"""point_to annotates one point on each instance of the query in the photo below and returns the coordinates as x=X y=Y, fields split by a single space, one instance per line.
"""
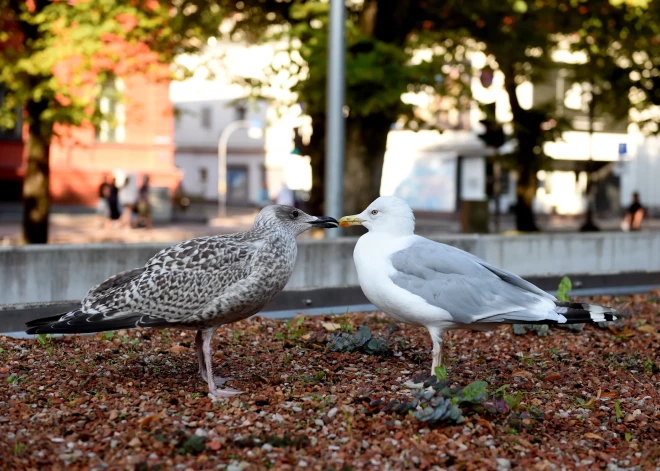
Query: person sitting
x=634 y=215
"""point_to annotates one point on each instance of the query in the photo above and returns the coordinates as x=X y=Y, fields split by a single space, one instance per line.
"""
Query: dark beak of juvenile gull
x=325 y=222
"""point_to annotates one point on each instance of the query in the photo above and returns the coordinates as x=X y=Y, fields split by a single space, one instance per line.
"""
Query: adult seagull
x=199 y=285
x=421 y=282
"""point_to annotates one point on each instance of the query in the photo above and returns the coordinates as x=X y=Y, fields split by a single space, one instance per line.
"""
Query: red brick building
x=139 y=141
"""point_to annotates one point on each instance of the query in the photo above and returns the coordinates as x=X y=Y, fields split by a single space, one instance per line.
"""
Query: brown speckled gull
x=199 y=284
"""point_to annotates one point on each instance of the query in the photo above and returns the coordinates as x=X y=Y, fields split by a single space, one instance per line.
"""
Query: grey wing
x=465 y=286
x=179 y=281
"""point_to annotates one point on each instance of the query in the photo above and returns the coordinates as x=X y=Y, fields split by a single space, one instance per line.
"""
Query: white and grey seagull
x=199 y=284
x=421 y=282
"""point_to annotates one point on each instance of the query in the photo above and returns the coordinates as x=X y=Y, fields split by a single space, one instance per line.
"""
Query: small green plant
x=107 y=335
x=650 y=368
x=294 y=329
x=361 y=340
x=441 y=372
x=2 y=350
x=19 y=448
x=46 y=340
x=617 y=410
x=344 y=324
x=628 y=436
x=565 y=286
x=513 y=400
x=435 y=402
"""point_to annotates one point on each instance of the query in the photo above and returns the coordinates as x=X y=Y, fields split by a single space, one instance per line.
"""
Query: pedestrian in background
x=143 y=206
x=128 y=201
x=102 y=207
x=634 y=215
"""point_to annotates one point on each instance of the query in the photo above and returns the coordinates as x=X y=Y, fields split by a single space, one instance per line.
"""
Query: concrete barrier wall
x=66 y=272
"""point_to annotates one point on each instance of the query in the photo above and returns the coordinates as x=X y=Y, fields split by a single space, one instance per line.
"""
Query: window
x=206 y=117
x=112 y=127
x=241 y=112
x=13 y=132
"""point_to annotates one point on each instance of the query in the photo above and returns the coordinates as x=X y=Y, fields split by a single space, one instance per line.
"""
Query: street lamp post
x=255 y=131
x=335 y=133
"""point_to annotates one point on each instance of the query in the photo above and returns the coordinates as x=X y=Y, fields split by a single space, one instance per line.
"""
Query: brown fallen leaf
x=214 y=444
x=485 y=423
x=150 y=418
x=629 y=418
x=178 y=349
x=553 y=377
x=647 y=328
x=593 y=436
x=331 y=326
x=522 y=373
x=525 y=443
x=610 y=394
x=135 y=442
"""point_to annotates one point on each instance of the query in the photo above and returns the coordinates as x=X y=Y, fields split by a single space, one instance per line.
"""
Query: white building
x=256 y=168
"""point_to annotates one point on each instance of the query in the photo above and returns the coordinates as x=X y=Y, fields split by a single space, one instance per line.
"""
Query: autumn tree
x=55 y=54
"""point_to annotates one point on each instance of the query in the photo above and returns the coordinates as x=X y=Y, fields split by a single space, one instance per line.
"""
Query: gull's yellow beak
x=350 y=221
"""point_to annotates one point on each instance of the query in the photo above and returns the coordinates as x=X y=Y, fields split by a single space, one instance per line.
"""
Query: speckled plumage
x=199 y=284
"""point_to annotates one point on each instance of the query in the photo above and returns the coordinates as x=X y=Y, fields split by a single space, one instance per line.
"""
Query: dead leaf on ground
x=150 y=418
x=485 y=423
x=522 y=373
x=331 y=326
x=593 y=436
x=553 y=377
x=647 y=328
x=178 y=349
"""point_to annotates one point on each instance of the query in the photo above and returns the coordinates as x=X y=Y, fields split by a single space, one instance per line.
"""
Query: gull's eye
x=295 y=214
x=374 y=212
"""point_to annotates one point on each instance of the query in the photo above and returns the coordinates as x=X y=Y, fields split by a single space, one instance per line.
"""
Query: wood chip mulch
x=134 y=401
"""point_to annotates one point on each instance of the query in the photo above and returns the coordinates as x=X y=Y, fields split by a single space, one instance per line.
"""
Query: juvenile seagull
x=429 y=284
x=199 y=285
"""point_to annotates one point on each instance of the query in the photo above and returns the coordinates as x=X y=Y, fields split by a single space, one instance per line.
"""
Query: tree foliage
x=55 y=54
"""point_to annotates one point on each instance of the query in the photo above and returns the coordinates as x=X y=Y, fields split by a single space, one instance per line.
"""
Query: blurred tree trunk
x=526 y=133
x=366 y=141
x=316 y=150
x=36 y=197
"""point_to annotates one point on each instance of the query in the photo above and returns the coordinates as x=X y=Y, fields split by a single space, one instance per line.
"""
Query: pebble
x=267 y=447
x=503 y=464
x=319 y=422
x=302 y=464
x=332 y=412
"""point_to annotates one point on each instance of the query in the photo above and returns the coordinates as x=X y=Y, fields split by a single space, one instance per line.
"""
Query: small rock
x=135 y=442
x=200 y=432
x=267 y=447
x=503 y=464
x=214 y=445
x=319 y=422
x=302 y=464
x=332 y=412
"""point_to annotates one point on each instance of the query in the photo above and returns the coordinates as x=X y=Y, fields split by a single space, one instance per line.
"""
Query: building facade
x=138 y=141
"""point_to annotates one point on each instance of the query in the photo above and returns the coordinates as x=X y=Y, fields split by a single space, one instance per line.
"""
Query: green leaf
x=474 y=392
x=565 y=286
x=617 y=410
x=441 y=372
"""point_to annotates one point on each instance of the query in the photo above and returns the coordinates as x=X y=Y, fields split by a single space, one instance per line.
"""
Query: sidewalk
x=84 y=228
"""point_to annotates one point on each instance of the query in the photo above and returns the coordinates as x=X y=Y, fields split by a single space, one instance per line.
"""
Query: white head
x=387 y=214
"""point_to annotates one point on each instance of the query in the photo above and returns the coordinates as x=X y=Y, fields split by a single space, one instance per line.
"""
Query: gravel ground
x=133 y=400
